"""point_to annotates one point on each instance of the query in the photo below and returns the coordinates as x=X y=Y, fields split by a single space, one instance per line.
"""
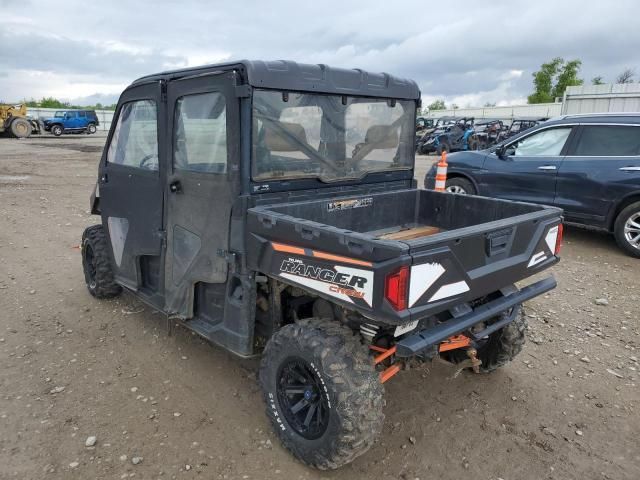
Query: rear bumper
x=426 y=338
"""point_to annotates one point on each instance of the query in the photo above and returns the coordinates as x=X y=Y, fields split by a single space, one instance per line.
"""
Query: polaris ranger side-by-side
x=271 y=208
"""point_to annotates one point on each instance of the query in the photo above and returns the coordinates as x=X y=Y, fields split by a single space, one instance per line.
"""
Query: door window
x=608 y=141
x=547 y=143
x=135 y=139
x=200 y=126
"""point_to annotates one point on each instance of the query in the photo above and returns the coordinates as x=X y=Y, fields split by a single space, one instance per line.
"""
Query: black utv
x=271 y=207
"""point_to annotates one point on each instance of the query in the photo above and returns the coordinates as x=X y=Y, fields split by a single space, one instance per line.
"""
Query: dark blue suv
x=589 y=165
x=72 y=121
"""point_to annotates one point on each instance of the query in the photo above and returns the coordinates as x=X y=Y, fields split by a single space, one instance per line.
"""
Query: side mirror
x=501 y=152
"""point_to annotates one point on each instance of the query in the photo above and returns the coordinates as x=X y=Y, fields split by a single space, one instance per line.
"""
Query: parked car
x=423 y=123
x=488 y=132
x=72 y=121
x=519 y=125
x=589 y=165
x=451 y=137
x=423 y=135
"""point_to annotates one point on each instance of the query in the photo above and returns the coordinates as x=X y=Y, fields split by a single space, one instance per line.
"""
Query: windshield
x=59 y=114
x=330 y=137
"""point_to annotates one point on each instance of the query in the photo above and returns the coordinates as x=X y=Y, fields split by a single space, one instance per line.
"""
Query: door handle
x=548 y=167
x=104 y=178
x=630 y=169
x=175 y=187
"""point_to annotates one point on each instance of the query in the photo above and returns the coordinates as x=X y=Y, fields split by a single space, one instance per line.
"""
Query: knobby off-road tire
x=57 y=130
x=626 y=229
x=501 y=347
x=342 y=376
x=20 y=128
x=96 y=264
x=91 y=129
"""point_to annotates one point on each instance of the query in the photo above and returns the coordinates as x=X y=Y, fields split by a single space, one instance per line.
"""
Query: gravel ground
x=96 y=389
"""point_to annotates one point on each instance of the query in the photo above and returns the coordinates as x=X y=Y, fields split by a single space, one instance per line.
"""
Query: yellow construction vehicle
x=15 y=122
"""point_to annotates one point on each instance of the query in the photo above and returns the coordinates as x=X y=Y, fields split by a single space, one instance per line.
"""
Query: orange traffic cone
x=441 y=173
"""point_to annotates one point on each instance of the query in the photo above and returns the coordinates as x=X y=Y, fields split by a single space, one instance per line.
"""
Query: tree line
x=51 y=102
x=551 y=81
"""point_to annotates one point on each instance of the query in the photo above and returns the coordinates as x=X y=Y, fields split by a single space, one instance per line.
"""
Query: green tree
x=437 y=105
x=568 y=77
x=599 y=80
x=51 y=102
x=553 y=78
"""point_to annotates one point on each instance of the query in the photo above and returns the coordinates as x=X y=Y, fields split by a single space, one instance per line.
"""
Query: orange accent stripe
x=338 y=258
x=376 y=348
x=384 y=355
x=389 y=372
x=281 y=247
x=452 y=343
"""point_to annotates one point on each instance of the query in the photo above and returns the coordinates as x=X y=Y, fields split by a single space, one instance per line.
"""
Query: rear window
x=609 y=141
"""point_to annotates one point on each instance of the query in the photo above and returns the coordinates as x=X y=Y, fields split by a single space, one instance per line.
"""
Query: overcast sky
x=466 y=52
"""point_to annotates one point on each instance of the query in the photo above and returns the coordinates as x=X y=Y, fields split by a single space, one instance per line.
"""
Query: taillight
x=559 y=240
x=396 y=287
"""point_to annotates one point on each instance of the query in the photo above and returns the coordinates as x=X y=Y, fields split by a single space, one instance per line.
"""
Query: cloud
x=463 y=52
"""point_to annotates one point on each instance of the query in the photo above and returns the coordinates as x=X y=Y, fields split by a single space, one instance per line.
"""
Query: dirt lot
x=566 y=409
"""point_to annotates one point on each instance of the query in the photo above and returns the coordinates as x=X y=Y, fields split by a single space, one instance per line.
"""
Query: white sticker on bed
x=422 y=277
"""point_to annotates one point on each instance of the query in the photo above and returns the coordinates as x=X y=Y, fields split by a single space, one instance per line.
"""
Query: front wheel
x=21 y=128
x=460 y=185
x=57 y=130
x=627 y=229
x=323 y=395
x=96 y=264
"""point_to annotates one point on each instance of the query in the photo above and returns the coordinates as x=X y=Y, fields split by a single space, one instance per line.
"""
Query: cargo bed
x=456 y=247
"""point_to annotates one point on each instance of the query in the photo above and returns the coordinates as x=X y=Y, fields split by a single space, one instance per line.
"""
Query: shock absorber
x=368 y=331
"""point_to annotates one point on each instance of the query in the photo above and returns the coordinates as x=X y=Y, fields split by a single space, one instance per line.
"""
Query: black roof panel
x=287 y=75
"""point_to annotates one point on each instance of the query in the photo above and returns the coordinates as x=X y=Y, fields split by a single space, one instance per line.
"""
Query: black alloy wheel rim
x=302 y=398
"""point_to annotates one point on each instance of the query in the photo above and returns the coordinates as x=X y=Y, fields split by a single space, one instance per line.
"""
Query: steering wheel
x=146 y=159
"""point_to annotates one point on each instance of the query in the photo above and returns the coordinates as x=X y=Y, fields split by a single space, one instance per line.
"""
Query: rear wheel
x=627 y=229
x=501 y=347
x=460 y=185
x=91 y=129
x=96 y=264
x=21 y=128
x=57 y=130
x=322 y=392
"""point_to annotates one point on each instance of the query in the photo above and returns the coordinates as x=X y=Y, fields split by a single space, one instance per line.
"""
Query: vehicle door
x=71 y=120
x=601 y=169
x=527 y=170
x=130 y=189
x=82 y=119
x=203 y=142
